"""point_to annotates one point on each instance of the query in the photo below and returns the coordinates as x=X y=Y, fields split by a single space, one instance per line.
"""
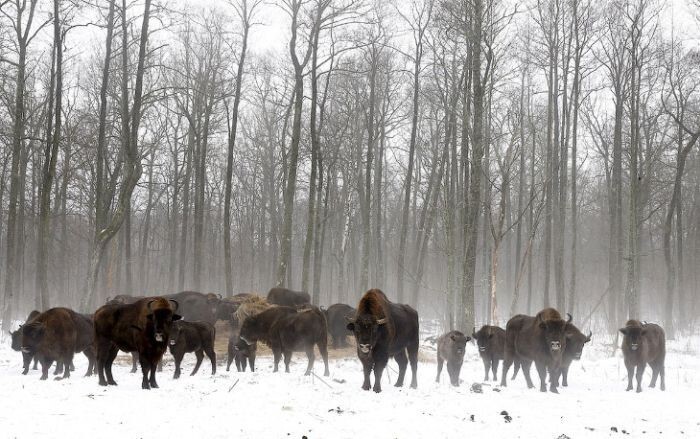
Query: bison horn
x=177 y=305
x=220 y=296
x=381 y=321
x=149 y=305
x=569 y=319
x=590 y=333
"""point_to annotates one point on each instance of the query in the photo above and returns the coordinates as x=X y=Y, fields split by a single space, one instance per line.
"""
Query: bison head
x=575 y=341
x=175 y=332
x=367 y=328
x=251 y=332
x=483 y=338
x=554 y=332
x=17 y=339
x=160 y=318
x=634 y=336
x=32 y=335
x=457 y=343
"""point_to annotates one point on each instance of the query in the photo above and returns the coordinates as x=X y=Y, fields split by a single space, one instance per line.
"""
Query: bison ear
x=468 y=338
x=176 y=317
x=623 y=331
x=350 y=326
x=452 y=336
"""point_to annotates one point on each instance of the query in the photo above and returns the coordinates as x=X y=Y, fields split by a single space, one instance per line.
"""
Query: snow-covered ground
x=268 y=405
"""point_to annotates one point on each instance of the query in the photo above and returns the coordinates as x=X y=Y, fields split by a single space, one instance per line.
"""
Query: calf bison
x=16 y=337
x=197 y=337
x=287 y=330
x=337 y=316
x=384 y=329
x=285 y=297
x=52 y=336
x=491 y=342
x=143 y=326
x=451 y=349
x=241 y=353
x=541 y=339
x=644 y=343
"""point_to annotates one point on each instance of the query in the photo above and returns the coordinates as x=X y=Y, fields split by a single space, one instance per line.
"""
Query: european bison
x=143 y=326
x=575 y=341
x=241 y=353
x=17 y=344
x=194 y=306
x=52 y=336
x=491 y=342
x=229 y=305
x=644 y=343
x=451 y=349
x=197 y=337
x=337 y=316
x=383 y=329
x=541 y=339
x=285 y=297
x=287 y=330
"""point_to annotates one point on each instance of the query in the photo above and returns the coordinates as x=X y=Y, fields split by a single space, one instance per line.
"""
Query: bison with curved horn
x=143 y=326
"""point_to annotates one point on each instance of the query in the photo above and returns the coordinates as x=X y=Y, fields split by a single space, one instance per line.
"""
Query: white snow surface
x=264 y=404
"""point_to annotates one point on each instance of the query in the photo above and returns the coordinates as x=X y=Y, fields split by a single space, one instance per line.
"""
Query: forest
x=475 y=159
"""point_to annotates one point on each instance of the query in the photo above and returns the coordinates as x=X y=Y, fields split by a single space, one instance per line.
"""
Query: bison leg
x=323 y=349
x=152 y=378
x=494 y=368
x=178 y=355
x=72 y=367
x=413 y=359
x=90 y=354
x=440 y=362
x=276 y=355
x=453 y=370
x=134 y=361
x=554 y=380
x=111 y=355
x=238 y=363
x=200 y=356
x=565 y=375
x=526 y=365
x=67 y=361
x=402 y=361
x=311 y=357
x=145 y=369
x=379 y=366
x=287 y=359
x=662 y=372
x=251 y=361
x=366 y=370
x=487 y=366
x=230 y=355
x=209 y=350
x=542 y=372
x=630 y=373
x=59 y=368
x=507 y=362
x=27 y=361
x=640 y=375
x=45 y=365
x=36 y=361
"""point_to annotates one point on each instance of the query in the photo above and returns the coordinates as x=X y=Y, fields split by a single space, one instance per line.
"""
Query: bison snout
x=460 y=351
x=634 y=346
x=159 y=337
x=364 y=348
x=577 y=355
x=482 y=348
x=555 y=346
x=25 y=349
x=172 y=342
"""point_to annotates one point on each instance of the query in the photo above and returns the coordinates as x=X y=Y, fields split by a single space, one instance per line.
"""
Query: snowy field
x=267 y=405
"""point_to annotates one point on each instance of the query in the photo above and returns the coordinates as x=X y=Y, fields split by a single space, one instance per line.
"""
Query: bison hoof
x=112 y=383
x=398 y=385
x=639 y=390
x=25 y=372
x=145 y=386
x=365 y=387
x=307 y=373
x=326 y=374
x=663 y=388
x=629 y=388
x=554 y=390
x=377 y=389
x=415 y=386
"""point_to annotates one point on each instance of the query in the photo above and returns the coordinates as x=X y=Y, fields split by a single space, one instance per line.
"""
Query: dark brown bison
x=383 y=329
x=451 y=349
x=541 y=339
x=490 y=340
x=285 y=297
x=575 y=341
x=287 y=330
x=53 y=336
x=337 y=316
x=143 y=326
x=195 y=307
x=241 y=353
x=17 y=344
x=121 y=299
x=197 y=337
x=644 y=343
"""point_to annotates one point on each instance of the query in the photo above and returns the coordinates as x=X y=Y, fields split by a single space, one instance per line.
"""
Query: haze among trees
x=474 y=158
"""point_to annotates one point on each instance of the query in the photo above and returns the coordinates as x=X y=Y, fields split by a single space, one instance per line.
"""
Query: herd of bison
x=287 y=322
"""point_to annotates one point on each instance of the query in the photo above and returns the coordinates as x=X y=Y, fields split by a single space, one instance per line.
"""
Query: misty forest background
x=475 y=158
